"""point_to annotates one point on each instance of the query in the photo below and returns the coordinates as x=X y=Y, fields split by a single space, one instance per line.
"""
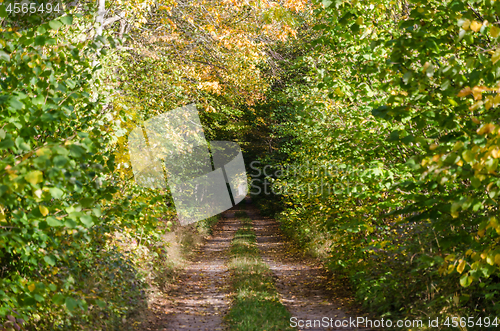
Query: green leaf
x=4 y=56
x=58 y=298
x=60 y=160
x=475 y=182
x=71 y=303
x=16 y=104
x=40 y=41
x=87 y=221
x=50 y=259
x=55 y=24
x=97 y=211
x=54 y=222
x=6 y=143
x=68 y=20
x=87 y=202
x=407 y=76
x=2 y=134
x=466 y=280
x=56 y=192
x=3 y=11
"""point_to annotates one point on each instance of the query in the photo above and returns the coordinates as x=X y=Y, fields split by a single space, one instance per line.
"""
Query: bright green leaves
x=495 y=57
x=52 y=221
x=87 y=220
x=433 y=77
x=56 y=192
x=68 y=20
x=53 y=156
x=4 y=56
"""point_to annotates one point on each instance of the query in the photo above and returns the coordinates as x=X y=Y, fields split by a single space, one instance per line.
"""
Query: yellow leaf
x=489 y=102
x=359 y=21
x=475 y=26
x=475 y=120
x=490 y=260
x=496 y=100
x=487 y=128
x=496 y=56
x=426 y=66
x=466 y=24
x=495 y=153
x=477 y=92
x=31 y=287
x=461 y=266
x=34 y=177
x=43 y=210
x=450 y=257
x=43 y=151
x=480 y=233
x=476 y=105
x=464 y=92
x=497 y=259
x=493 y=222
x=494 y=31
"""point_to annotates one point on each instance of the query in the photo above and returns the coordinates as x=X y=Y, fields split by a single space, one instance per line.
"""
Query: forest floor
x=201 y=296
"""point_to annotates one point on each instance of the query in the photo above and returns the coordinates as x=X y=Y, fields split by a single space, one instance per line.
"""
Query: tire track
x=200 y=299
x=301 y=282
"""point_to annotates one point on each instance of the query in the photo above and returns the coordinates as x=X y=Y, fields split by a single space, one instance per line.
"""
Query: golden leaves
x=43 y=210
x=477 y=93
x=486 y=128
x=494 y=31
x=476 y=26
x=466 y=24
x=461 y=266
x=2 y=214
x=34 y=177
x=495 y=57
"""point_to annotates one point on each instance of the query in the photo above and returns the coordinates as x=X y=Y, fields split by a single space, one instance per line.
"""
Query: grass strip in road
x=256 y=304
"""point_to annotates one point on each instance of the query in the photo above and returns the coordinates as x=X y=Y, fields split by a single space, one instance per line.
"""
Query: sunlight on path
x=301 y=283
x=200 y=299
